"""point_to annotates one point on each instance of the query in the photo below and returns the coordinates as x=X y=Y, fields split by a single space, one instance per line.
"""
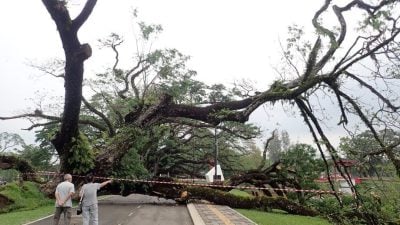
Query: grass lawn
x=240 y=193
x=21 y=217
x=276 y=217
x=273 y=218
x=23 y=196
x=27 y=203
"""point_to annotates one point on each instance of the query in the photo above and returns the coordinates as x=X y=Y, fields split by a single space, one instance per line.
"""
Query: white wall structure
x=210 y=174
x=345 y=187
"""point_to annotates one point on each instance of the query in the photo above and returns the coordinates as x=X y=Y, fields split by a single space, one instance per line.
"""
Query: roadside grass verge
x=281 y=218
x=25 y=202
x=22 y=196
x=276 y=216
x=22 y=217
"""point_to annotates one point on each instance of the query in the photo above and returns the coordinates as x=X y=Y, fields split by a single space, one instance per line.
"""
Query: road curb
x=245 y=217
x=196 y=218
x=32 y=222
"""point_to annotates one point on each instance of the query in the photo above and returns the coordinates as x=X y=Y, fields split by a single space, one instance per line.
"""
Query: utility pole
x=216 y=176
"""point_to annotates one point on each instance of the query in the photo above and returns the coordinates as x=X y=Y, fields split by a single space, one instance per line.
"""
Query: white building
x=210 y=174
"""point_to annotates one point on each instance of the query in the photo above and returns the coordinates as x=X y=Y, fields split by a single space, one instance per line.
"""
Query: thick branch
x=84 y=15
x=303 y=112
x=111 y=130
x=54 y=119
x=374 y=91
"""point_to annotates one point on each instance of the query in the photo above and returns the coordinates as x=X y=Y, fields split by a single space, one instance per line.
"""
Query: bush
x=371 y=209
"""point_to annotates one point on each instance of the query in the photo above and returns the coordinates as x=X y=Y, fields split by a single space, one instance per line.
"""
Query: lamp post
x=216 y=176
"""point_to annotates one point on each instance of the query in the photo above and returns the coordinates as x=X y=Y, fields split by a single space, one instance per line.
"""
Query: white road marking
x=130 y=214
x=39 y=219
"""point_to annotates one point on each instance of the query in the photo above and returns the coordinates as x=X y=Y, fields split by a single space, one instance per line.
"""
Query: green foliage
x=130 y=166
x=302 y=159
x=294 y=54
x=130 y=141
x=278 y=86
x=218 y=93
x=186 y=90
x=251 y=159
x=238 y=192
x=23 y=197
x=44 y=137
x=382 y=198
x=39 y=158
x=379 y=203
x=9 y=175
x=148 y=30
x=223 y=113
x=81 y=157
x=376 y=21
x=359 y=146
x=331 y=209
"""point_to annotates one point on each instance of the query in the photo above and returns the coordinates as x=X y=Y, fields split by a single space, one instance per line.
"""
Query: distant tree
x=10 y=142
x=303 y=160
x=252 y=159
x=278 y=145
x=302 y=164
x=39 y=158
x=362 y=147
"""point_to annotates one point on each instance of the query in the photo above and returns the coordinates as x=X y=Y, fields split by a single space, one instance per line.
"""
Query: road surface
x=135 y=209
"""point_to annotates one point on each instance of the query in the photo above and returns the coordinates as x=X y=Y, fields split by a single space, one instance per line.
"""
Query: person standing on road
x=63 y=194
x=89 y=202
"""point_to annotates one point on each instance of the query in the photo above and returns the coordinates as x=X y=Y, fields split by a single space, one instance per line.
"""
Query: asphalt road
x=136 y=209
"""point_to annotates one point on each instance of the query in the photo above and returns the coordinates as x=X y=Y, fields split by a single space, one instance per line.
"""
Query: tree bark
x=75 y=55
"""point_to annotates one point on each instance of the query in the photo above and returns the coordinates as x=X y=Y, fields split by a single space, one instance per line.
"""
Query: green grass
x=273 y=218
x=28 y=203
x=21 y=217
x=238 y=192
x=24 y=197
x=276 y=217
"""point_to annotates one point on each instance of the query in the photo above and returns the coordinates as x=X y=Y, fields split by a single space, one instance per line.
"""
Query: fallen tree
x=329 y=66
x=13 y=162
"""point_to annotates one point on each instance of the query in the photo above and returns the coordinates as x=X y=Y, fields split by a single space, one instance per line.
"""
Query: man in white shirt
x=63 y=194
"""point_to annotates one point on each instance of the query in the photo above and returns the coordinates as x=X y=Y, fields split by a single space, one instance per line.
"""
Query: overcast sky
x=228 y=40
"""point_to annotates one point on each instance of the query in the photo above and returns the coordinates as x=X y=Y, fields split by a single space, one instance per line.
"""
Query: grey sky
x=228 y=40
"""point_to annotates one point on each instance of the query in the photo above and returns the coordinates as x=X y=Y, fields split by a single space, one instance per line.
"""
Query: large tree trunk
x=75 y=54
x=217 y=195
x=263 y=202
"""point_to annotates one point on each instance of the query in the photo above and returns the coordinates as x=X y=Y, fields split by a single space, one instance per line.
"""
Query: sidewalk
x=208 y=214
